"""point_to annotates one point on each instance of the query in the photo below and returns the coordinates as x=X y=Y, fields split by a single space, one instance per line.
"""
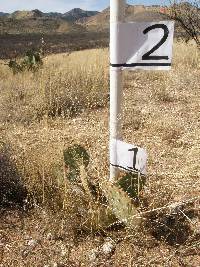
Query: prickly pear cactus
x=99 y=216
x=74 y=157
x=132 y=183
x=118 y=195
x=84 y=182
x=121 y=204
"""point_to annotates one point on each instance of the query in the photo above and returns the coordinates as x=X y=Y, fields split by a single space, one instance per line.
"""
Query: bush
x=31 y=62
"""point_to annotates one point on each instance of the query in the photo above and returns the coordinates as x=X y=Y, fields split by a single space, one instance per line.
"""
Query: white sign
x=128 y=157
x=142 y=45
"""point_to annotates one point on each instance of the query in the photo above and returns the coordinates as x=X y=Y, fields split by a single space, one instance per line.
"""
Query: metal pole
x=117 y=14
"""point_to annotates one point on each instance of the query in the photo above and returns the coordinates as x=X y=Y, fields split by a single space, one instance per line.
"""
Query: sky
x=63 y=5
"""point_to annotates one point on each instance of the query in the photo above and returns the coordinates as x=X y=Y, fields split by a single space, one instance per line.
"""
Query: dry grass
x=66 y=103
x=67 y=85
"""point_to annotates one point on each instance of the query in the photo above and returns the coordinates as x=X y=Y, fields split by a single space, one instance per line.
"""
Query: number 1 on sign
x=123 y=159
x=135 y=151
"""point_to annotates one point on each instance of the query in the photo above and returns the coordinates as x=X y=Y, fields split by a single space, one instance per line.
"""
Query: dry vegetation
x=45 y=220
x=13 y=45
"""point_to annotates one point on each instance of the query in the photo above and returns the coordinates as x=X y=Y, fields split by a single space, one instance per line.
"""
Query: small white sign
x=128 y=157
x=142 y=45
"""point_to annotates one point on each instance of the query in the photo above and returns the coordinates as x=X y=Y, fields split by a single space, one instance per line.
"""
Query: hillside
x=72 y=15
x=13 y=45
x=74 y=20
x=35 y=21
x=133 y=13
x=26 y=14
x=31 y=24
x=78 y=13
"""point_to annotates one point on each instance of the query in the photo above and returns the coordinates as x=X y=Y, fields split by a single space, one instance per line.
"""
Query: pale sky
x=63 y=5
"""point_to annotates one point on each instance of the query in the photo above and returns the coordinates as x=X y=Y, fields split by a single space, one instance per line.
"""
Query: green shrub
x=31 y=62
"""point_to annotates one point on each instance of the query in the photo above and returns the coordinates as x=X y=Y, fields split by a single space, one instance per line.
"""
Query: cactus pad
x=74 y=157
x=121 y=204
x=132 y=183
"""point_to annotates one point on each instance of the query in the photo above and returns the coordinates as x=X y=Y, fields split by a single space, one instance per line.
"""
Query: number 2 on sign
x=147 y=56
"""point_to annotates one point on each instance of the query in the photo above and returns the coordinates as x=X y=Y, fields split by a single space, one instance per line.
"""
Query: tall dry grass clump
x=65 y=86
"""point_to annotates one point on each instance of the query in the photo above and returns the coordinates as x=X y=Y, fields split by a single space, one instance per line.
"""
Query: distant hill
x=78 y=13
x=133 y=13
x=26 y=14
x=35 y=21
x=75 y=20
x=2 y=14
x=147 y=16
x=53 y=14
x=71 y=15
x=103 y=17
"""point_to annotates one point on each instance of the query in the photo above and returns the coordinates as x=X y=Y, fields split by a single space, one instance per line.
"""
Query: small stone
x=25 y=253
x=49 y=236
x=92 y=255
x=108 y=247
x=32 y=243
x=63 y=250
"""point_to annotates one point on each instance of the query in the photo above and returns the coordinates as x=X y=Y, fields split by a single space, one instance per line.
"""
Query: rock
x=63 y=250
x=32 y=243
x=92 y=255
x=108 y=247
x=49 y=236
